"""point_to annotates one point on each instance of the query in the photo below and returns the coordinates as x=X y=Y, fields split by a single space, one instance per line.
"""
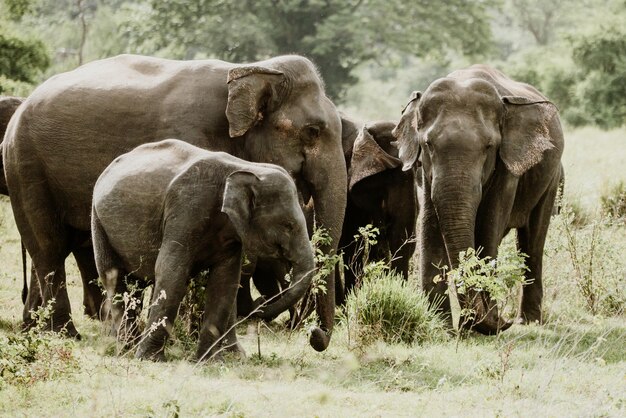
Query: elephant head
x=463 y=130
x=264 y=209
x=283 y=100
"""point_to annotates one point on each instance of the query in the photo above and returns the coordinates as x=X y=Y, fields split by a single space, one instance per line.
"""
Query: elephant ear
x=525 y=132
x=406 y=133
x=239 y=200
x=250 y=90
x=368 y=158
x=349 y=132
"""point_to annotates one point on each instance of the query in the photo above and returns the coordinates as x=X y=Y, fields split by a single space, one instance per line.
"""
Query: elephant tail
x=24 y=273
x=105 y=256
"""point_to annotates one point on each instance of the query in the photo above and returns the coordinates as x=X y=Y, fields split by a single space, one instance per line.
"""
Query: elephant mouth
x=304 y=190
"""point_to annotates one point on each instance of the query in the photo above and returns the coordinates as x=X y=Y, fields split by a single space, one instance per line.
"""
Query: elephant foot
x=528 y=321
x=158 y=356
x=491 y=329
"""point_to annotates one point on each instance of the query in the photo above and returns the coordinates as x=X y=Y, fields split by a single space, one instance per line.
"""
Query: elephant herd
x=150 y=171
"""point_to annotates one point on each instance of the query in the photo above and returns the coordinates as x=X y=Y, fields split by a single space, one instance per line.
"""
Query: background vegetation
x=372 y=54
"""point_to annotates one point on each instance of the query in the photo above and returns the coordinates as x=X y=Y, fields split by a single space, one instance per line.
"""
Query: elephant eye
x=313 y=131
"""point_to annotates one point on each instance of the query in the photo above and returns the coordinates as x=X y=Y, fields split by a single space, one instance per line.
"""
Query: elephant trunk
x=328 y=179
x=303 y=270
x=456 y=212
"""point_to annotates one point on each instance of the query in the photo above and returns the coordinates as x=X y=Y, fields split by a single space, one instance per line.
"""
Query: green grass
x=574 y=365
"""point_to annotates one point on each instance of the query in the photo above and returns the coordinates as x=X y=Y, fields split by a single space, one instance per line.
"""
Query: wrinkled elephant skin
x=490 y=150
x=73 y=125
x=167 y=211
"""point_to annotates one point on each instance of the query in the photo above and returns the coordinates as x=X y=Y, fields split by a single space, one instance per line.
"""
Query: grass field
x=574 y=365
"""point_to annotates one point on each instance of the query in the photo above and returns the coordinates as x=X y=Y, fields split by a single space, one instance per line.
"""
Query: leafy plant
x=35 y=355
x=499 y=278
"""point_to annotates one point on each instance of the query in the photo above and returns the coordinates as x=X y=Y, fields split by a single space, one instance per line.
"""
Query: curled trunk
x=302 y=277
x=328 y=182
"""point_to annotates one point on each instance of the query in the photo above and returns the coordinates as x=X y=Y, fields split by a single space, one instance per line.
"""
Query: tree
x=21 y=57
x=336 y=34
x=601 y=56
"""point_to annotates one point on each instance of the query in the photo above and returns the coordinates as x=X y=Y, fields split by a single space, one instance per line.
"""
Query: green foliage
x=613 y=202
x=601 y=57
x=21 y=59
x=336 y=34
x=35 y=355
x=387 y=307
x=325 y=262
x=496 y=277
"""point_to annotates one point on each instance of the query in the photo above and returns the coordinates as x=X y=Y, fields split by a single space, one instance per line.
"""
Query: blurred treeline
x=371 y=53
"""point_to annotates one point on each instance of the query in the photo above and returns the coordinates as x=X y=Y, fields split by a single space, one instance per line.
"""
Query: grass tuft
x=386 y=307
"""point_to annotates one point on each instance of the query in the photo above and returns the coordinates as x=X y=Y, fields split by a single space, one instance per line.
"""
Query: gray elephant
x=166 y=211
x=73 y=125
x=490 y=149
x=380 y=194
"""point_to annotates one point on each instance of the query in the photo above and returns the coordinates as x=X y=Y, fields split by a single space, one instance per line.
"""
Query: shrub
x=613 y=201
x=500 y=278
x=35 y=355
x=390 y=308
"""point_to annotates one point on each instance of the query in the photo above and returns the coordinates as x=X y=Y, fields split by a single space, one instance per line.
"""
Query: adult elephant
x=490 y=149
x=76 y=123
x=380 y=194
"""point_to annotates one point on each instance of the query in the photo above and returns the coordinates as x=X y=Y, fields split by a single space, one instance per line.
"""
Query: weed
x=499 y=278
x=613 y=202
x=35 y=355
x=598 y=271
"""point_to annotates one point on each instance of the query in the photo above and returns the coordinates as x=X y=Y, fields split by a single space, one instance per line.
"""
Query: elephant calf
x=166 y=211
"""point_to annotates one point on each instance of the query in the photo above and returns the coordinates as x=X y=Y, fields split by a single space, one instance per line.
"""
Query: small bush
x=500 y=278
x=388 y=307
x=613 y=202
x=35 y=355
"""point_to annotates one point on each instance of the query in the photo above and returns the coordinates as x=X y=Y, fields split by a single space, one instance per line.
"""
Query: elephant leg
x=221 y=292
x=92 y=293
x=124 y=302
x=172 y=272
x=230 y=340
x=244 y=297
x=33 y=300
x=46 y=239
x=401 y=233
x=531 y=241
x=351 y=267
x=52 y=282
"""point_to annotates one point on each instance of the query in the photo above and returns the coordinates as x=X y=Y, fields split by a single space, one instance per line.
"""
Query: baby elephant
x=167 y=211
